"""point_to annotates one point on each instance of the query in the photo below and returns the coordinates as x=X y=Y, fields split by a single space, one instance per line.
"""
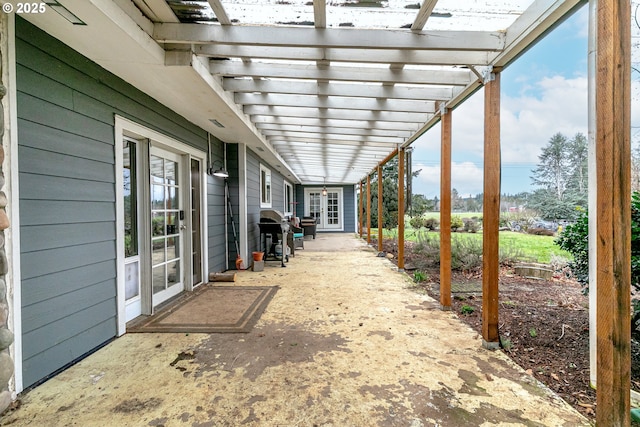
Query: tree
x=551 y=172
x=561 y=176
x=420 y=204
x=578 y=158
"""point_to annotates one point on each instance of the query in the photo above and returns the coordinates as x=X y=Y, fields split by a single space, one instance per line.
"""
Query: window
x=130 y=198
x=288 y=199
x=265 y=187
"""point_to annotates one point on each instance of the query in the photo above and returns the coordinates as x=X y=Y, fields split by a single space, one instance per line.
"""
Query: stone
x=257 y=266
x=3 y=289
x=6 y=338
x=4 y=265
x=4 y=314
x=3 y=196
x=6 y=369
x=390 y=256
x=5 y=400
x=4 y=220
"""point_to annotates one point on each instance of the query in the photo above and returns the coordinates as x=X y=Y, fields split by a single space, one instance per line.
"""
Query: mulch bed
x=543 y=327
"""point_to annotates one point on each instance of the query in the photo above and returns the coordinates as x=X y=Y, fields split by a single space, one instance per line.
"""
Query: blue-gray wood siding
x=216 y=212
x=66 y=110
x=233 y=220
x=253 y=197
x=349 y=206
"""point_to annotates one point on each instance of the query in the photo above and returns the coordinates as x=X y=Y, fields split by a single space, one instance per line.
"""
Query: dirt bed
x=543 y=326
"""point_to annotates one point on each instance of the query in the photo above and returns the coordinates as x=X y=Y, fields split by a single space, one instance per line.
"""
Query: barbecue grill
x=273 y=223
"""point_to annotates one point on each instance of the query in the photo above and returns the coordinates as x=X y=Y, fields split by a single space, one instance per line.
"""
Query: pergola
x=329 y=91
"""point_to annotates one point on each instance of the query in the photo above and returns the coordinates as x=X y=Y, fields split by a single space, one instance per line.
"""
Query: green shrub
x=471 y=225
x=419 y=276
x=417 y=222
x=456 y=223
x=431 y=223
x=467 y=309
x=575 y=240
x=466 y=253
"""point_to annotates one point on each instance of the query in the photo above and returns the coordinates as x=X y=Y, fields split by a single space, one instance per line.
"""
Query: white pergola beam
x=323 y=142
x=320 y=13
x=306 y=136
x=532 y=24
x=423 y=14
x=257 y=35
x=387 y=116
x=335 y=130
x=219 y=11
x=380 y=56
x=261 y=121
x=447 y=77
x=339 y=103
x=366 y=90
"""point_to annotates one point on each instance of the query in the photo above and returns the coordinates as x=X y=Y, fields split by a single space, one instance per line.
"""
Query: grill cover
x=272 y=215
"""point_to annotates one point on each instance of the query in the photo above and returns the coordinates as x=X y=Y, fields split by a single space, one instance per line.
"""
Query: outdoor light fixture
x=324 y=188
x=220 y=173
x=64 y=12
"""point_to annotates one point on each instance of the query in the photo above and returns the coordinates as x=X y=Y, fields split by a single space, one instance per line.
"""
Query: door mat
x=210 y=309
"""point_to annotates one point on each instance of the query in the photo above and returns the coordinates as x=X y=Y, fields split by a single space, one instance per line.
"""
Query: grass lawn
x=535 y=248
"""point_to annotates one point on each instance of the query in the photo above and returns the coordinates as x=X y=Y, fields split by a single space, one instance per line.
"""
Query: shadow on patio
x=344 y=342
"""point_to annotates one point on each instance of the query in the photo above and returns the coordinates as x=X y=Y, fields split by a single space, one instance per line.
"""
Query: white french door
x=326 y=209
x=167 y=224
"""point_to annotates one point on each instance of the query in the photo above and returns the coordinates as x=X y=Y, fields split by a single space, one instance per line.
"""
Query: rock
x=390 y=256
x=6 y=338
x=5 y=400
x=6 y=369
x=4 y=220
x=3 y=289
x=3 y=196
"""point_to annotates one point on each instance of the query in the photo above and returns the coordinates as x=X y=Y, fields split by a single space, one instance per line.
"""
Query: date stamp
x=24 y=8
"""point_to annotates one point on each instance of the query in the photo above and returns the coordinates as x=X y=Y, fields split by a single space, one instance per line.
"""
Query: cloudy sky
x=543 y=92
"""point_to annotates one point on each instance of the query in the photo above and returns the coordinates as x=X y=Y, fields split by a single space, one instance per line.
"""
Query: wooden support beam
x=613 y=215
x=401 y=209
x=385 y=160
x=360 y=210
x=491 y=213
x=445 y=211
x=369 y=209
x=380 y=234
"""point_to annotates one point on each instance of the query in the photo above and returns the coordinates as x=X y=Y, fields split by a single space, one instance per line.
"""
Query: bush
x=575 y=240
x=431 y=223
x=471 y=225
x=456 y=223
x=466 y=253
x=417 y=222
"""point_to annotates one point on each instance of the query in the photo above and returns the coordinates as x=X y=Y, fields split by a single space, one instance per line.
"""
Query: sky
x=542 y=93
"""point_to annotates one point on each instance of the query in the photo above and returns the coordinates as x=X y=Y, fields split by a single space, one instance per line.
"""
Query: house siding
x=66 y=110
x=349 y=208
x=253 y=197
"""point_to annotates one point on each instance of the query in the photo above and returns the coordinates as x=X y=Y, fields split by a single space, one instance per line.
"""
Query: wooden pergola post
x=380 y=208
x=491 y=212
x=401 y=209
x=369 y=209
x=360 y=210
x=445 y=210
x=613 y=215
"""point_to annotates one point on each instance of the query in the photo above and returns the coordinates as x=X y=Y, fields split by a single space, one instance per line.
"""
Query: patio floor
x=344 y=342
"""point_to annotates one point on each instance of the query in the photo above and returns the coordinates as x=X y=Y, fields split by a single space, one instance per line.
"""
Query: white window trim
x=288 y=210
x=269 y=203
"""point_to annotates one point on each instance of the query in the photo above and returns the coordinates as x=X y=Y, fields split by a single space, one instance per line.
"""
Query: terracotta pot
x=257 y=256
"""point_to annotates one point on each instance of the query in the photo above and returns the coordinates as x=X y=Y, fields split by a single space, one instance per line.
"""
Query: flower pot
x=257 y=256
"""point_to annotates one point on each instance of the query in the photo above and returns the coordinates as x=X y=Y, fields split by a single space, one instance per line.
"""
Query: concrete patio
x=345 y=342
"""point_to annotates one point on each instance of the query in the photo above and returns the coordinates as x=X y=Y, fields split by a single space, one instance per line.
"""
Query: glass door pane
x=196 y=237
x=166 y=263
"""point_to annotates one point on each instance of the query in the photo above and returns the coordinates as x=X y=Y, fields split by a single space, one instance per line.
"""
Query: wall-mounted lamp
x=324 y=188
x=220 y=173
